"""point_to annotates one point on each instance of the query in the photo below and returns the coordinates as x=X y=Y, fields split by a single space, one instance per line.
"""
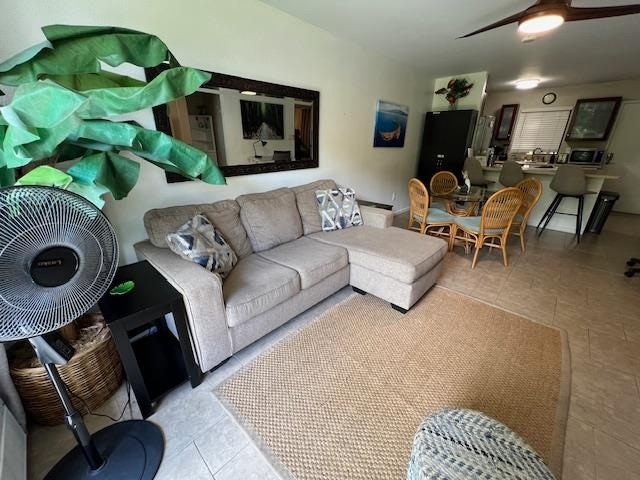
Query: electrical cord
x=89 y=412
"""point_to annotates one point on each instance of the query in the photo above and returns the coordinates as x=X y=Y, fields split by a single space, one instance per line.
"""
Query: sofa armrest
x=376 y=217
x=203 y=301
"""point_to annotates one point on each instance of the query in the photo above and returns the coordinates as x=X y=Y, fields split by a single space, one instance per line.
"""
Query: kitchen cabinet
x=445 y=140
x=506 y=121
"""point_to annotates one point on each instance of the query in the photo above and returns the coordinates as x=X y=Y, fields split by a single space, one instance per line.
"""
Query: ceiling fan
x=549 y=14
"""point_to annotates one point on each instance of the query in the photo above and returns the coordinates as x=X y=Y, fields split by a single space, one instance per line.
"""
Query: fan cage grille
x=32 y=219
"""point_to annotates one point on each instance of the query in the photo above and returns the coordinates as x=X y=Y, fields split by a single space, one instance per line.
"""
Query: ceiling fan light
x=540 y=23
x=527 y=84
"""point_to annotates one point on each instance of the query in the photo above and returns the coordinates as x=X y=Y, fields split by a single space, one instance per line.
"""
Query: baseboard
x=400 y=211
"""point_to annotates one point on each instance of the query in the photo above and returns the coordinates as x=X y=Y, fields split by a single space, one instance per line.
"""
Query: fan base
x=132 y=450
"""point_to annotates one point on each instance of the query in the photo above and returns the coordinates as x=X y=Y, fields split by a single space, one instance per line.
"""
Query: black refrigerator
x=447 y=135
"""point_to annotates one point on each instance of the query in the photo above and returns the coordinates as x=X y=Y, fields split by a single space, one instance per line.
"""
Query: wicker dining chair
x=446 y=182
x=443 y=182
x=531 y=189
x=423 y=219
x=493 y=225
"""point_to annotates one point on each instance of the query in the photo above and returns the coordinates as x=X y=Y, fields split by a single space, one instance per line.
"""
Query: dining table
x=473 y=199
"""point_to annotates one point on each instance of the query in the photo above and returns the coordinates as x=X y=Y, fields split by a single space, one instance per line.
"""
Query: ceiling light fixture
x=248 y=92
x=540 y=23
x=527 y=84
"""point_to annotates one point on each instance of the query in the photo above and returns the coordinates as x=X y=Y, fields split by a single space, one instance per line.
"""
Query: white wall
x=250 y=39
x=473 y=101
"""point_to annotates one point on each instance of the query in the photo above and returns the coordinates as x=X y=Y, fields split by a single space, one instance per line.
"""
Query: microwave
x=586 y=156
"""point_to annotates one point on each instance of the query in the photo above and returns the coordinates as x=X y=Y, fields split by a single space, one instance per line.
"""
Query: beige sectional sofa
x=286 y=264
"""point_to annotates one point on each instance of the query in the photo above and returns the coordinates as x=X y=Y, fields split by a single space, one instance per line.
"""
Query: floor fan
x=58 y=256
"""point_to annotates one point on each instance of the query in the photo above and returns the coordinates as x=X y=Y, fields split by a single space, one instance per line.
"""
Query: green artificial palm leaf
x=117 y=173
x=30 y=98
x=61 y=107
x=79 y=50
x=46 y=176
x=163 y=150
x=7 y=177
x=93 y=193
x=60 y=119
x=90 y=81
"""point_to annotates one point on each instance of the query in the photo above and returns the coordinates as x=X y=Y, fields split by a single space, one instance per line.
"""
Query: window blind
x=540 y=129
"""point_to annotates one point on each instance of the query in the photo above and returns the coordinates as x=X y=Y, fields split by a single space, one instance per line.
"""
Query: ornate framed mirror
x=247 y=126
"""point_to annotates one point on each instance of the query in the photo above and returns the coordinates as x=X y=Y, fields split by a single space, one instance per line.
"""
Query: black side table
x=138 y=311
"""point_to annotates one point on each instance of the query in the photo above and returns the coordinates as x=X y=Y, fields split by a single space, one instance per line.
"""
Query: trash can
x=601 y=210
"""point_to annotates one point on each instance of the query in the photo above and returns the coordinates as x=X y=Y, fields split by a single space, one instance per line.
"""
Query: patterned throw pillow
x=198 y=241
x=338 y=209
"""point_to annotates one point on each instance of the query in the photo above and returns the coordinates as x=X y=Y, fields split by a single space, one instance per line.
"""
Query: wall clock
x=549 y=98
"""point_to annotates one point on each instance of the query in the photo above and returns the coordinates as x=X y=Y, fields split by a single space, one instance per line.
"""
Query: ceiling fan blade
x=500 y=23
x=589 y=13
x=555 y=3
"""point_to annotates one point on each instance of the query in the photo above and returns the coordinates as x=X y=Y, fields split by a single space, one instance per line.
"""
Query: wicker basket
x=94 y=373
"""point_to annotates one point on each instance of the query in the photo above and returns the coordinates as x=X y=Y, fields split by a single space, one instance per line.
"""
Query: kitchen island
x=562 y=223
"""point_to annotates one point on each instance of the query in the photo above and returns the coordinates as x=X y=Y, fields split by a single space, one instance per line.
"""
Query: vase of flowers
x=456 y=89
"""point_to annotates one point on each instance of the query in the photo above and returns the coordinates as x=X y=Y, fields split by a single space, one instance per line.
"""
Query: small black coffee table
x=155 y=361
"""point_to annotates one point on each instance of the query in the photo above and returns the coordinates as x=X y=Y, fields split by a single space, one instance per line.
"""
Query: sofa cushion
x=308 y=205
x=256 y=285
x=200 y=242
x=314 y=261
x=398 y=253
x=338 y=209
x=270 y=218
x=225 y=216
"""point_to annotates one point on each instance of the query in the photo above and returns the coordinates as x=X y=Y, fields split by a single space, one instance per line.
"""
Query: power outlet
x=393 y=196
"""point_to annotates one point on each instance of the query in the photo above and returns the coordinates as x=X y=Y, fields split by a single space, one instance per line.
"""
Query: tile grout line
x=203 y=460
x=618 y=439
x=232 y=458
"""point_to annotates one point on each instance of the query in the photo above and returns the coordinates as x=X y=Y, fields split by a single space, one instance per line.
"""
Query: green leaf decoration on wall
x=61 y=107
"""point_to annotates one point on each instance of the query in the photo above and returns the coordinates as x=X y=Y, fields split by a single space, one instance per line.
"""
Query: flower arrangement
x=456 y=88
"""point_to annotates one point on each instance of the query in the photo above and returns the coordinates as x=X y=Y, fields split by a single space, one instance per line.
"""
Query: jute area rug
x=343 y=398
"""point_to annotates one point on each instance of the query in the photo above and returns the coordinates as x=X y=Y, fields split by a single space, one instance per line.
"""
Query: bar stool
x=474 y=170
x=511 y=174
x=569 y=181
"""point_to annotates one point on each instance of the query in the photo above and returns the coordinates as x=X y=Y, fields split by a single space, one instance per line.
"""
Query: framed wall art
x=593 y=118
x=390 y=125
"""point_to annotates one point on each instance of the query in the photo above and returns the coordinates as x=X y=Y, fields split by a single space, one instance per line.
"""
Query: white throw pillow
x=338 y=209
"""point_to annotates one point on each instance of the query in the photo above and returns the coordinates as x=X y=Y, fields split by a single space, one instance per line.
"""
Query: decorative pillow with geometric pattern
x=338 y=209
x=199 y=241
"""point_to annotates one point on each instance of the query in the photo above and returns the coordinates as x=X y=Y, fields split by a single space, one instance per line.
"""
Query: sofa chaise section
x=394 y=264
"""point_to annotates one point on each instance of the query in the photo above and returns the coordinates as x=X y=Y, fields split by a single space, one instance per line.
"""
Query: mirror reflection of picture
x=262 y=121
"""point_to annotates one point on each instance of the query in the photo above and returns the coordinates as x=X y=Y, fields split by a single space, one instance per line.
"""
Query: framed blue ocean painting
x=391 y=124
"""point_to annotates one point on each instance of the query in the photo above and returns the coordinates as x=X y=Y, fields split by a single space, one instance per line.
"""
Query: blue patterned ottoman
x=465 y=444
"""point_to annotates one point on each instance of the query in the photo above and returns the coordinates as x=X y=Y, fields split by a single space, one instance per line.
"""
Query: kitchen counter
x=589 y=173
x=562 y=223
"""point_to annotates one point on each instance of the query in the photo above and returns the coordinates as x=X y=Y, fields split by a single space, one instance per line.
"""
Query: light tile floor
x=579 y=287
